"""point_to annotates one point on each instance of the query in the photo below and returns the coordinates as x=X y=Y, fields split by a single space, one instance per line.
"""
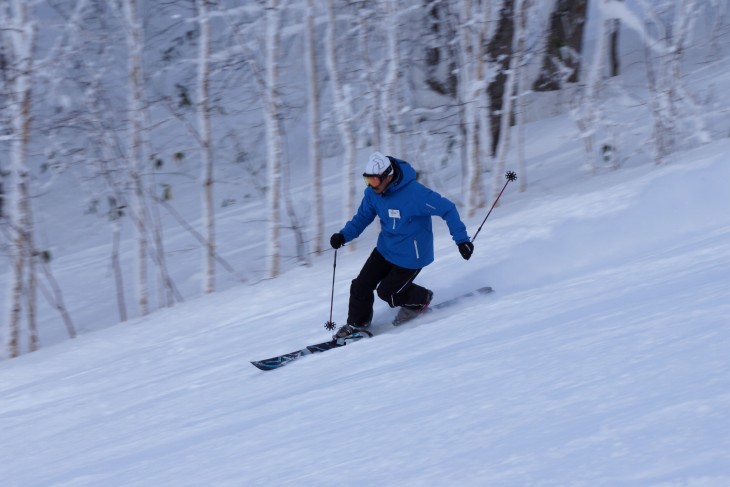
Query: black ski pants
x=393 y=283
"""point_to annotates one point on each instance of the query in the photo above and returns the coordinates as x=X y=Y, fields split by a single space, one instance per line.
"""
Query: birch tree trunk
x=392 y=105
x=587 y=113
x=273 y=133
x=136 y=150
x=685 y=19
x=472 y=179
x=343 y=112
x=486 y=77
x=206 y=142
x=473 y=80
x=20 y=36
x=116 y=265
x=148 y=229
x=103 y=137
x=511 y=85
x=315 y=143
x=521 y=89
x=165 y=286
x=31 y=291
x=667 y=93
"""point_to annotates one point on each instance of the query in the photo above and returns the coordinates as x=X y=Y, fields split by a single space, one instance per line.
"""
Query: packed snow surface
x=602 y=359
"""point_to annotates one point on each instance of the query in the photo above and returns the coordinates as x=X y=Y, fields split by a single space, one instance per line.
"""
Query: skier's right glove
x=466 y=249
x=337 y=240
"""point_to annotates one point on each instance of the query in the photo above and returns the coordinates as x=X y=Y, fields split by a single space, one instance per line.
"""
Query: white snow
x=601 y=360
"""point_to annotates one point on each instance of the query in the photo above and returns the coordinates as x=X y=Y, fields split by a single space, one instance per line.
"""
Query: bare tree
x=474 y=74
x=146 y=220
x=206 y=141
x=522 y=90
x=665 y=28
x=512 y=86
x=315 y=141
x=671 y=105
x=19 y=40
x=86 y=130
x=108 y=166
x=586 y=109
x=273 y=132
x=343 y=111
x=136 y=157
x=266 y=76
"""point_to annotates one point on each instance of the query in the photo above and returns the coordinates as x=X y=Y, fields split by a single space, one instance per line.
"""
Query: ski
x=453 y=301
x=282 y=360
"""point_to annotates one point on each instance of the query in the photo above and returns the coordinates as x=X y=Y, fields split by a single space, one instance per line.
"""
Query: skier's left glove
x=466 y=249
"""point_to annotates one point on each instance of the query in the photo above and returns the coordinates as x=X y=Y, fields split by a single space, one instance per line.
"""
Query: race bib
x=394 y=213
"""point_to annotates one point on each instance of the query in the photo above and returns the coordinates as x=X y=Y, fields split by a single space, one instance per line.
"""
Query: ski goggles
x=375 y=180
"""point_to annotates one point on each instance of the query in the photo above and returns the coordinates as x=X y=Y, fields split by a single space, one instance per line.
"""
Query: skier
x=405 y=243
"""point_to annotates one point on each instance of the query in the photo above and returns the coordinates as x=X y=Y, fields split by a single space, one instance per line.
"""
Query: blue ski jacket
x=405 y=209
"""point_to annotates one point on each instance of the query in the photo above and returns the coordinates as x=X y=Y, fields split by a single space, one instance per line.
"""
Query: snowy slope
x=601 y=360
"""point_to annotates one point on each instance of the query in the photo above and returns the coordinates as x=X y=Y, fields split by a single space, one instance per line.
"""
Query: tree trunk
x=56 y=300
x=472 y=81
x=21 y=52
x=15 y=300
x=273 y=134
x=500 y=53
x=315 y=152
x=206 y=139
x=564 y=45
x=664 y=74
x=511 y=85
x=391 y=101
x=521 y=89
x=31 y=291
x=588 y=113
x=343 y=112
x=614 y=56
x=136 y=152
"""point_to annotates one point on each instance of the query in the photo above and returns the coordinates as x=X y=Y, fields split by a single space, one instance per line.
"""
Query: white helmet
x=378 y=165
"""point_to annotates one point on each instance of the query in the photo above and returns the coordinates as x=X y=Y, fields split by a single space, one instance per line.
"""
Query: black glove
x=466 y=249
x=337 y=240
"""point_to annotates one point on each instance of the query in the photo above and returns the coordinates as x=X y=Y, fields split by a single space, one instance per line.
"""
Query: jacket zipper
x=415 y=244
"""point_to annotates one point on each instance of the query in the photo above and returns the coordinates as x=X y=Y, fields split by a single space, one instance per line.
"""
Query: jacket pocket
x=415 y=246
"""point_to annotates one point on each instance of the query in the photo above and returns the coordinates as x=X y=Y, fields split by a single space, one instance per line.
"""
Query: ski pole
x=330 y=325
x=511 y=176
